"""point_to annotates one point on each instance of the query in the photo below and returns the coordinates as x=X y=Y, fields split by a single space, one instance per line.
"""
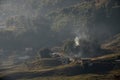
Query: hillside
x=89 y=17
x=61 y=19
x=98 y=70
x=113 y=43
x=60 y=40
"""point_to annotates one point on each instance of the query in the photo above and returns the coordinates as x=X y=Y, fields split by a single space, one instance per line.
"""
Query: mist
x=47 y=38
x=37 y=24
x=10 y=8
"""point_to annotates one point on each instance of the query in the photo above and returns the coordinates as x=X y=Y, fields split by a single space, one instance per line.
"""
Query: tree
x=68 y=47
x=45 y=53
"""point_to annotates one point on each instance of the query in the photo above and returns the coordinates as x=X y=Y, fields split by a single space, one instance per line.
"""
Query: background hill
x=47 y=23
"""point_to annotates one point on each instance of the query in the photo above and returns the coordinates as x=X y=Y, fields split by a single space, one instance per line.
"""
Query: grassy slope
x=64 y=72
x=110 y=56
x=113 y=43
x=109 y=76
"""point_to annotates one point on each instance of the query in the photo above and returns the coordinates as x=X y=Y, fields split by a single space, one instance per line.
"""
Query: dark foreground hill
x=50 y=75
x=99 y=67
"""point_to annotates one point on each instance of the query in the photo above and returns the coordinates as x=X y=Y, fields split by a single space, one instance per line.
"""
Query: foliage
x=71 y=17
x=69 y=47
x=52 y=22
x=45 y=53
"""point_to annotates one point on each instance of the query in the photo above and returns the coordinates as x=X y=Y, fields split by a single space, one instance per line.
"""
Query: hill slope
x=113 y=43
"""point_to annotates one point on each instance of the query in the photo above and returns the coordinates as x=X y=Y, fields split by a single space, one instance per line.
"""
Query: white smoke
x=77 y=41
x=81 y=34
